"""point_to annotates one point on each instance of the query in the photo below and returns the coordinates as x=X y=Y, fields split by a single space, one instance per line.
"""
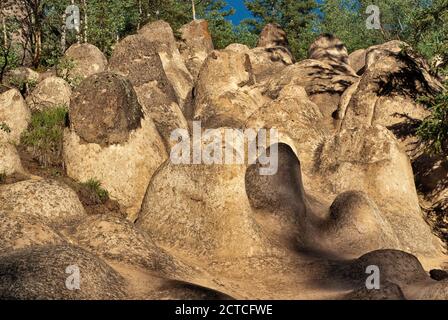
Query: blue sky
x=241 y=11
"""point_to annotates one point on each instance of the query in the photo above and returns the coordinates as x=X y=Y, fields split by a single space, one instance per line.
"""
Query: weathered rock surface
x=177 y=73
x=341 y=195
x=330 y=49
x=383 y=171
x=195 y=45
x=139 y=61
x=85 y=60
x=14 y=115
x=39 y=273
x=357 y=60
x=166 y=114
x=9 y=158
x=109 y=117
x=199 y=225
x=266 y=62
x=112 y=141
x=21 y=76
x=20 y=231
x=324 y=83
x=52 y=202
x=118 y=240
x=224 y=92
x=49 y=93
x=273 y=35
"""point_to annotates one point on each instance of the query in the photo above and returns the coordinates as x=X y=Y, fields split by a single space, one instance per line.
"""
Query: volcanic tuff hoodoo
x=343 y=197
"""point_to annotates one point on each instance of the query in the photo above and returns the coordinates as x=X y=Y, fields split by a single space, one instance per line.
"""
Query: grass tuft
x=44 y=136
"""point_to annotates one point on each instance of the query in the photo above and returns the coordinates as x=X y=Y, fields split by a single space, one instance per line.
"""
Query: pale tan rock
x=357 y=60
x=14 y=115
x=20 y=231
x=371 y=160
x=49 y=201
x=9 y=158
x=51 y=92
x=195 y=45
x=273 y=35
x=211 y=216
x=266 y=61
x=323 y=82
x=124 y=170
x=328 y=48
x=224 y=92
x=87 y=60
x=161 y=33
x=166 y=114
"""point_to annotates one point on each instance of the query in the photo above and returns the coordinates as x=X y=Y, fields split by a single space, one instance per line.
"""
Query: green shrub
x=434 y=129
x=44 y=136
x=2 y=177
x=97 y=193
x=5 y=127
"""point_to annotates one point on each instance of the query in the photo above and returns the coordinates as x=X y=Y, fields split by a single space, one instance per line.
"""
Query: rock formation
x=201 y=218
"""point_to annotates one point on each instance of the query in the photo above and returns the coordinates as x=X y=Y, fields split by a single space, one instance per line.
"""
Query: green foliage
x=421 y=23
x=434 y=129
x=2 y=177
x=63 y=68
x=295 y=17
x=98 y=194
x=4 y=127
x=44 y=136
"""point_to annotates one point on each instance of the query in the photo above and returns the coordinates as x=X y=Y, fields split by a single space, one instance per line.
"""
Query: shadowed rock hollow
x=342 y=197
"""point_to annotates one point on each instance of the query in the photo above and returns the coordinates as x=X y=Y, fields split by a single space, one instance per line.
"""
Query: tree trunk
x=64 y=33
x=194 y=9
x=86 y=24
x=140 y=13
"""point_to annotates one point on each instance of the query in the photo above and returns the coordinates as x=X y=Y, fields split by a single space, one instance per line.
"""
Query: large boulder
x=160 y=32
x=111 y=140
x=330 y=49
x=109 y=117
x=166 y=114
x=266 y=61
x=137 y=59
x=387 y=92
x=119 y=240
x=370 y=159
x=356 y=225
x=195 y=44
x=298 y=120
x=85 y=60
x=20 y=231
x=324 y=83
x=22 y=78
x=42 y=273
x=14 y=115
x=357 y=60
x=225 y=95
x=50 y=201
x=212 y=216
x=51 y=92
x=273 y=35
x=9 y=158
